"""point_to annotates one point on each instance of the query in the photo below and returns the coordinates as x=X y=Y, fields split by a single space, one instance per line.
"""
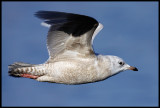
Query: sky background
x=130 y=32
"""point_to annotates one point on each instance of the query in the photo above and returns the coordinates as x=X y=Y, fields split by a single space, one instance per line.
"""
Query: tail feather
x=19 y=68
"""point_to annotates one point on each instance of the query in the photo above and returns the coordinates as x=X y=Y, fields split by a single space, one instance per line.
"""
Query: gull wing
x=69 y=32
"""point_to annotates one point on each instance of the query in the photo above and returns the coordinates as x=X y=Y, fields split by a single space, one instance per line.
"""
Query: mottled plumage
x=71 y=57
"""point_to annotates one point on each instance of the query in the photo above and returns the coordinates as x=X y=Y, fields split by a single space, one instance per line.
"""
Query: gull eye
x=121 y=63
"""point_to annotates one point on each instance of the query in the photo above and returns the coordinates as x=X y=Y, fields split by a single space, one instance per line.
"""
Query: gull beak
x=133 y=68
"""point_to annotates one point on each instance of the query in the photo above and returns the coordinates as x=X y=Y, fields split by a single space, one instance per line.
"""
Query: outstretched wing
x=69 y=32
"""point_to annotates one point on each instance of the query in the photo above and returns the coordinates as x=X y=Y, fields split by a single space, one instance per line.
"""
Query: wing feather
x=69 y=32
x=56 y=42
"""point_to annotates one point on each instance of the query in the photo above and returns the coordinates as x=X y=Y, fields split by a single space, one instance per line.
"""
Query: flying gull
x=72 y=59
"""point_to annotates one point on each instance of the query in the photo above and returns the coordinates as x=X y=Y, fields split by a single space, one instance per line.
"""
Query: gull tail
x=20 y=69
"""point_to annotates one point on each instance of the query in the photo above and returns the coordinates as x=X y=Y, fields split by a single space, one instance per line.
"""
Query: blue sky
x=130 y=32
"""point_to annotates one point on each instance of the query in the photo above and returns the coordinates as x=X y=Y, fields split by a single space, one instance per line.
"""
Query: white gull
x=71 y=56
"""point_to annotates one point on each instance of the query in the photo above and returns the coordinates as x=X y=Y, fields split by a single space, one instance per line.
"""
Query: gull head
x=119 y=65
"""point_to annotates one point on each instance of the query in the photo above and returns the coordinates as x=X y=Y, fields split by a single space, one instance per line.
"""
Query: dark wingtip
x=70 y=23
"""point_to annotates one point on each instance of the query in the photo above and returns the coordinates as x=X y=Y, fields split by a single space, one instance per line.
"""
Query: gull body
x=71 y=56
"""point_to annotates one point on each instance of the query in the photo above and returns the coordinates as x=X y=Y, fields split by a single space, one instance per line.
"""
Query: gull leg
x=29 y=76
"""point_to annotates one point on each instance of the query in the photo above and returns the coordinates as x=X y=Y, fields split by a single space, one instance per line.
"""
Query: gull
x=72 y=59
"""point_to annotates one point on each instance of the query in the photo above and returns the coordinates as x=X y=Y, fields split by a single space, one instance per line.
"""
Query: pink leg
x=29 y=76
